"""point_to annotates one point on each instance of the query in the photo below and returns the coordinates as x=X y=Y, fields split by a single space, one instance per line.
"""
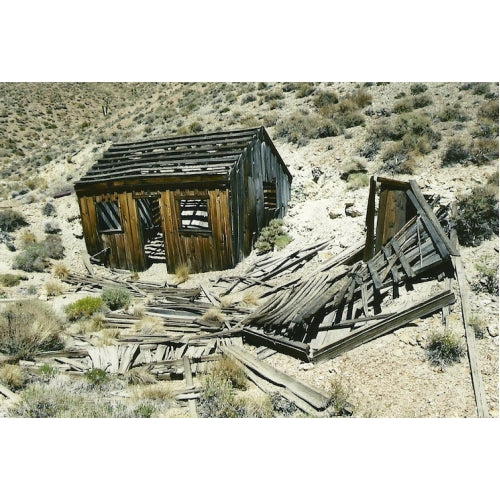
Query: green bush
x=444 y=349
x=10 y=220
x=217 y=399
x=489 y=110
x=487 y=279
x=325 y=98
x=116 y=297
x=97 y=377
x=9 y=280
x=477 y=217
x=35 y=256
x=304 y=89
x=299 y=128
x=272 y=236
x=397 y=159
x=418 y=88
x=28 y=327
x=484 y=151
x=49 y=209
x=452 y=113
x=456 y=152
x=228 y=369
x=403 y=105
x=421 y=101
x=84 y=308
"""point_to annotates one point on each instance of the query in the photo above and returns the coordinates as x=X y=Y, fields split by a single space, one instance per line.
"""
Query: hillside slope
x=332 y=136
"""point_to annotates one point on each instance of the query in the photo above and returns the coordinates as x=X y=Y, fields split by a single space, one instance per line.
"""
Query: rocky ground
x=388 y=377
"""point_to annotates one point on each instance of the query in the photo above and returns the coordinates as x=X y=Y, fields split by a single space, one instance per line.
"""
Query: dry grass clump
x=140 y=375
x=60 y=270
x=479 y=325
x=54 y=288
x=27 y=238
x=10 y=280
x=154 y=390
x=13 y=376
x=444 y=348
x=213 y=315
x=10 y=220
x=257 y=405
x=108 y=336
x=227 y=300
x=28 y=327
x=138 y=310
x=229 y=369
x=182 y=273
x=149 y=325
x=250 y=298
x=339 y=394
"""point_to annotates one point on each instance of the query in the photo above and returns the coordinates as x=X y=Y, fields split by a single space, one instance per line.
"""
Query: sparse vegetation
x=10 y=280
x=84 y=308
x=477 y=216
x=34 y=258
x=217 y=399
x=53 y=288
x=456 y=152
x=213 y=315
x=13 y=376
x=10 y=220
x=229 y=369
x=272 y=236
x=182 y=272
x=444 y=349
x=339 y=395
x=487 y=278
x=116 y=297
x=28 y=327
x=478 y=324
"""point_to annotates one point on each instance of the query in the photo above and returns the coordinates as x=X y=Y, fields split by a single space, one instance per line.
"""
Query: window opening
x=194 y=215
x=108 y=217
x=270 y=196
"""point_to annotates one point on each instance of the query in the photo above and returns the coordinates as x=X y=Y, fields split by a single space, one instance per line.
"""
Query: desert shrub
x=444 y=348
x=28 y=327
x=182 y=272
x=248 y=98
x=418 y=88
x=97 y=377
x=62 y=399
x=361 y=98
x=282 y=405
x=217 y=399
x=304 y=89
x=358 y=180
x=272 y=236
x=53 y=288
x=10 y=220
x=140 y=375
x=27 y=238
x=299 y=128
x=403 y=106
x=35 y=256
x=52 y=227
x=213 y=315
x=46 y=372
x=486 y=128
x=325 y=98
x=489 y=110
x=421 y=101
x=12 y=376
x=195 y=127
x=397 y=159
x=350 y=119
x=371 y=148
x=477 y=217
x=414 y=124
x=456 y=152
x=480 y=88
x=479 y=325
x=487 y=278
x=229 y=369
x=116 y=297
x=339 y=395
x=60 y=270
x=484 y=151
x=452 y=113
x=49 y=209
x=10 y=280
x=84 y=308
x=149 y=325
x=108 y=336
x=257 y=406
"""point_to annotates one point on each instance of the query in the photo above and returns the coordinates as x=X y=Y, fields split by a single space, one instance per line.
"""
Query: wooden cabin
x=200 y=200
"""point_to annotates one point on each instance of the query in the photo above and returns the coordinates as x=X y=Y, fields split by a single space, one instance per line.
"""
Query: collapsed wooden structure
x=198 y=200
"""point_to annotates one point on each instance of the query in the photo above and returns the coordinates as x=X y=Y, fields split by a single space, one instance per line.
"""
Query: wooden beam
x=316 y=398
x=426 y=209
x=475 y=368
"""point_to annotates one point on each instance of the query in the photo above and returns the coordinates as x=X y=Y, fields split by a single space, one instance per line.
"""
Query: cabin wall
x=257 y=167
x=205 y=250
x=125 y=246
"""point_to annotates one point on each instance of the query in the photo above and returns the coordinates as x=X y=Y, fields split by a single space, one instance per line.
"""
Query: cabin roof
x=211 y=154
